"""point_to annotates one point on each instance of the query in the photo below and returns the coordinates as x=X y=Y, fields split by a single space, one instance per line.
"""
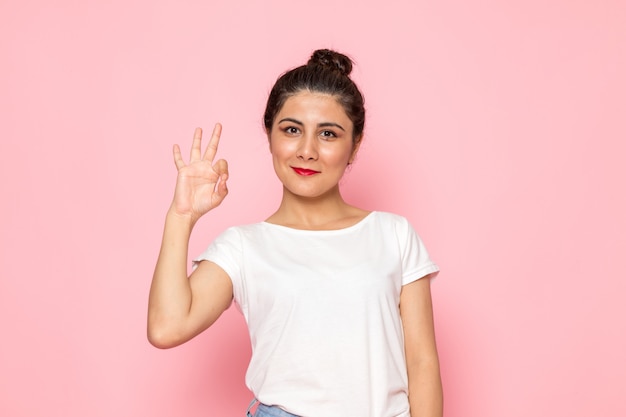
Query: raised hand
x=201 y=184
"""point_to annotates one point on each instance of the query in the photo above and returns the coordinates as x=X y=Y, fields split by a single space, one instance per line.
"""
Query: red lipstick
x=305 y=172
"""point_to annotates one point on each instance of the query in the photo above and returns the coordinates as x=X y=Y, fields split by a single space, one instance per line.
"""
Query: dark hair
x=326 y=72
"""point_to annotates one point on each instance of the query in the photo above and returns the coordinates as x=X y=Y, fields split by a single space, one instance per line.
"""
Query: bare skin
x=180 y=307
x=422 y=360
x=313 y=131
x=304 y=136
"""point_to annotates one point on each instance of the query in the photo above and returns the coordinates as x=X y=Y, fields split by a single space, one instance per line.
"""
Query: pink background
x=497 y=128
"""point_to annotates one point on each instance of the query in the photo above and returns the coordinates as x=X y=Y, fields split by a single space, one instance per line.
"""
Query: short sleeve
x=416 y=262
x=226 y=251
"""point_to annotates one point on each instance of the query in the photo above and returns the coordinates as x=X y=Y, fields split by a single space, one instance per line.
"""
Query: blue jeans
x=267 y=411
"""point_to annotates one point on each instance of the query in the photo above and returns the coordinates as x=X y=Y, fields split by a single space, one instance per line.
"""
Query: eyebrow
x=298 y=122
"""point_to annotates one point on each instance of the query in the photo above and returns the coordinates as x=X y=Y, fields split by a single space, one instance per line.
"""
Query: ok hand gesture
x=201 y=184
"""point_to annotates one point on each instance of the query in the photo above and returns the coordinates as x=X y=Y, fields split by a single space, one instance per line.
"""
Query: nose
x=307 y=148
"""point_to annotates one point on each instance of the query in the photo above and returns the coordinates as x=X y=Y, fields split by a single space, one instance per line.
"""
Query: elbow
x=159 y=341
x=163 y=338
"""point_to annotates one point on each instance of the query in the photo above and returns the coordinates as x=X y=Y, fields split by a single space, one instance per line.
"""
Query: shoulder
x=391 y=219
x=244 y=229
x=397 y=225
x=236 y=236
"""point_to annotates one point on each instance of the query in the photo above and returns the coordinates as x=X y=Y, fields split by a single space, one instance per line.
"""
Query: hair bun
x=331 y=60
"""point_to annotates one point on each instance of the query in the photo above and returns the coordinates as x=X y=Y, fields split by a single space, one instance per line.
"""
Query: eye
x=291 y=130
x=328 y=134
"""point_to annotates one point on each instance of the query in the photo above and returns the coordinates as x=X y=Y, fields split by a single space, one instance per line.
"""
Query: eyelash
x=325 y=134
x=331 y=135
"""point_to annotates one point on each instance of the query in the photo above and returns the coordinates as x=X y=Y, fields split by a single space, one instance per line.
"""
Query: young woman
x=336 y=298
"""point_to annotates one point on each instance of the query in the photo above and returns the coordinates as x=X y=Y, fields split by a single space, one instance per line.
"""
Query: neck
x=312 y=212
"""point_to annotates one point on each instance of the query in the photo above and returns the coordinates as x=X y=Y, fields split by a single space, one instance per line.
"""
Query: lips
x=304 y=172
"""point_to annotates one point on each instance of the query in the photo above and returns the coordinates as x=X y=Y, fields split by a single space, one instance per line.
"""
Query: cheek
x=338 y=157
x=281 y=149
x=282 y=153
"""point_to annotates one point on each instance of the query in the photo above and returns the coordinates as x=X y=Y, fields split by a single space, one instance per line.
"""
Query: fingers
x=196 y=145
x=178 y=158
x=222 y=190
x=211 y=150
x=221 y=168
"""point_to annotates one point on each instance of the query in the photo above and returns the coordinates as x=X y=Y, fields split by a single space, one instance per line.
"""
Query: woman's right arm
x=180 y=307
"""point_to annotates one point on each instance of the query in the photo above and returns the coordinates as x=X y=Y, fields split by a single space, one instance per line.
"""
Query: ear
x=355 y=148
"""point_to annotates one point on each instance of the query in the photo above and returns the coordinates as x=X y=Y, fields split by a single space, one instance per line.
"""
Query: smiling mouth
x=304 y=172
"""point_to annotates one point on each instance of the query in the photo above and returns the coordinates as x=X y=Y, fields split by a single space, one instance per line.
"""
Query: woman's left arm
x=422 y=361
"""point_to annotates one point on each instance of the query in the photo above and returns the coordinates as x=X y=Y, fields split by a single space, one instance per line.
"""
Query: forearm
x=425 y=390
x=170 y=293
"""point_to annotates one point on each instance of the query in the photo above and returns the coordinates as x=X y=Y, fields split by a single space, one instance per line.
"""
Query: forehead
x=314 y=107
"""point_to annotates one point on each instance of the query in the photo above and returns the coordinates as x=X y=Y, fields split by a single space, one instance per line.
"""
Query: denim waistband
x=267 y=411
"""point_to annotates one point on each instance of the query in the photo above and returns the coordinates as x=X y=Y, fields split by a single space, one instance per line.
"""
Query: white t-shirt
x=322 y=309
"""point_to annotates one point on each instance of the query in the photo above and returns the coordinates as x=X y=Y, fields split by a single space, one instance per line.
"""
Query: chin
x=312 y=193
x=304 y=194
